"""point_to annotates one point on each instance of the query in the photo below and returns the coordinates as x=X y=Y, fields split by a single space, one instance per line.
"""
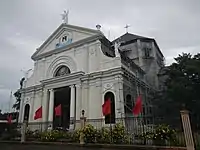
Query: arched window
x=62 y=70
x=110 y=118
x=128 y=104
x=26 y=112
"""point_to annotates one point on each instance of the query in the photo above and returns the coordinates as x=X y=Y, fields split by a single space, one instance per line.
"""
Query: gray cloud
x=24 y=25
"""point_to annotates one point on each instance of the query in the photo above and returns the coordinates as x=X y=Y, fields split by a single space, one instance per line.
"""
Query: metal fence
x=139 y=129
x=134 y=130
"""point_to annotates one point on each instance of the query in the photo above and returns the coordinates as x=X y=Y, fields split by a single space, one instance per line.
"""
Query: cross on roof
x=127 y=26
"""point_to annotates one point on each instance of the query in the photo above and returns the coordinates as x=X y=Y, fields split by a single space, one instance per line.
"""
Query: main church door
x=62 y=98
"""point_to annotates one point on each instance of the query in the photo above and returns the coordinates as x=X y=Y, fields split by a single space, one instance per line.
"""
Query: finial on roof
x=98 y=26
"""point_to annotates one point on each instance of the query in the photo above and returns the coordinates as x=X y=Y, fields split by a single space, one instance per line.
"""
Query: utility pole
x=10 y=100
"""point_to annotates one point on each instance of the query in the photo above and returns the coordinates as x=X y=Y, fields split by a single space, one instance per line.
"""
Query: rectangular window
x=147 y=52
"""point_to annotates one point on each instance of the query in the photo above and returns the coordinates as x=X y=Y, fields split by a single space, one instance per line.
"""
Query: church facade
x=79 y=68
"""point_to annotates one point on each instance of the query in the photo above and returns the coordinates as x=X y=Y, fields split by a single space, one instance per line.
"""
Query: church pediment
x=64 y=35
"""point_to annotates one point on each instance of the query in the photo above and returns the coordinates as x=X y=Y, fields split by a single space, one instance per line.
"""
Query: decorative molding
x=67 y=47
x=92 y=51
x=60 y=81
x=27 y=100
x=74 y=78
x=62 y=28
x=61 y=60
x=50 y=90
x=108 y=86
x=78 y=85
x=102 y=74
x=30 y=89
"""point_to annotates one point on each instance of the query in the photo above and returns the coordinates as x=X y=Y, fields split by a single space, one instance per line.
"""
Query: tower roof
x=129 y=37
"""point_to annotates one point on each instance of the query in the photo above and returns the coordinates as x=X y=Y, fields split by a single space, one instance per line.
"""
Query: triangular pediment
x=64 y=35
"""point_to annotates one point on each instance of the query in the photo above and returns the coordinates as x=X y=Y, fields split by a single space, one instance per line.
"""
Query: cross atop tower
x=127 y=26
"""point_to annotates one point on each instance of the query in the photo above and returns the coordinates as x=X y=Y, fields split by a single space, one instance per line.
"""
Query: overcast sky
x=25 y=24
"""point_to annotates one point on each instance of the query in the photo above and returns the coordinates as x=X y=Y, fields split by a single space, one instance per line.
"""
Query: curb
x=111 y=146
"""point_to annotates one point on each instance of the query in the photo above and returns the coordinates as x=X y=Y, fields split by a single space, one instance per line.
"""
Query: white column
x=51 y=106
x=78 y=101
x=45 y=106
x=72 y=103
x=21 y=109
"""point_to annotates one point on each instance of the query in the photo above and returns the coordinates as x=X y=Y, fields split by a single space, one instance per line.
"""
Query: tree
x=183 y=82
x=17 y=95
x=181 y=86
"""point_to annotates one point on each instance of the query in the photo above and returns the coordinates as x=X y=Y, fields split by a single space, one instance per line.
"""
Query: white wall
x=93 y=96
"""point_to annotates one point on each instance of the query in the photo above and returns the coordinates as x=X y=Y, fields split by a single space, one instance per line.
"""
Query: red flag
x=137 y=109
x=58 y=110
x=38 y=113
x=106 y=107
x=9 y=119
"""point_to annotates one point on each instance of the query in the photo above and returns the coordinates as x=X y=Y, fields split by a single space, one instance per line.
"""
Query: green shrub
x=146 y=136
x=164 y=133
x=75 y=135
x=29 y=133
x=89 y=133
x=36 y=134
x=63 y=135
x=50 y=135
x=118 y=134
x=33 y=134
x=161 y=135
x=103 y=135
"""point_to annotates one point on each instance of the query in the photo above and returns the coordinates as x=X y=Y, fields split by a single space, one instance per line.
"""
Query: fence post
x=83 y=120
x=187 y=129
x=23 y=131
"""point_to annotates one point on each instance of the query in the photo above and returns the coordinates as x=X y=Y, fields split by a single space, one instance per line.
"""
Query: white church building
x=79 y=68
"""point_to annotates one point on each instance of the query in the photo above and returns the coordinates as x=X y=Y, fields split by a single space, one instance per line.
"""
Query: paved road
x=44 y=147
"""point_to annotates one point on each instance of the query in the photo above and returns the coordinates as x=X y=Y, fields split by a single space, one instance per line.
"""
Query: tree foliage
x=17 y=95
x=181 y=86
